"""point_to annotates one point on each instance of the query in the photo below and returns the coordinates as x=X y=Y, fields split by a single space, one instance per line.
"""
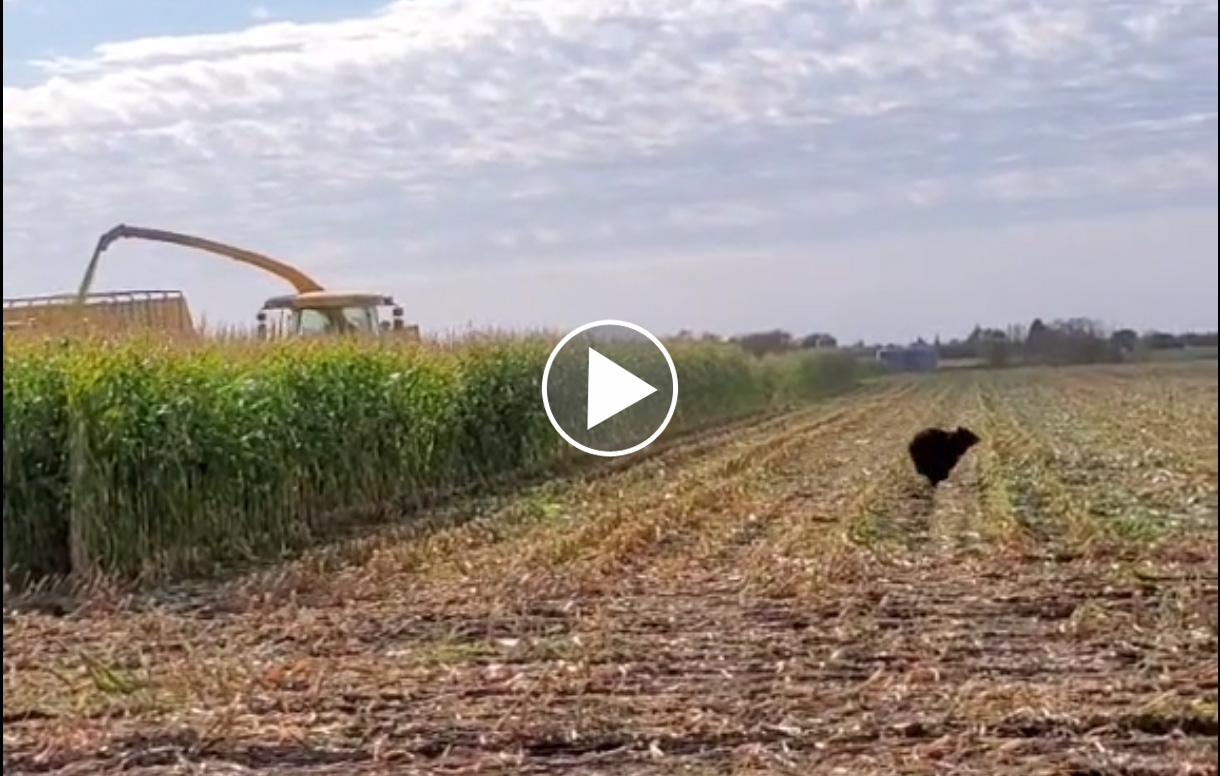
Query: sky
x=877 y=169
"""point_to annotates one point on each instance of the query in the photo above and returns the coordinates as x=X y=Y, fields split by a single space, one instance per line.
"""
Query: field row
x=785 y=599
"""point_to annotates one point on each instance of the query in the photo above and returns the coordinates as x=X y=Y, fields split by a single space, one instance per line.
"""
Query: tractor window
x=330 y=320
x=361 y=318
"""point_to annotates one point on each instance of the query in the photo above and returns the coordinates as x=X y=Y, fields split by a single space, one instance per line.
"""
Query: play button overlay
x=610 y=388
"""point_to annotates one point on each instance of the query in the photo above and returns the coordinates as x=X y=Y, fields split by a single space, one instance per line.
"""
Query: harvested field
x=786 y=599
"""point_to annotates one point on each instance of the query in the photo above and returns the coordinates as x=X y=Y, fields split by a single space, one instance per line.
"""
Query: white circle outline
x=546 y=399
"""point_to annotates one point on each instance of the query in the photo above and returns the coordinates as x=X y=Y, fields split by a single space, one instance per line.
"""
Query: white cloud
x=454 y=134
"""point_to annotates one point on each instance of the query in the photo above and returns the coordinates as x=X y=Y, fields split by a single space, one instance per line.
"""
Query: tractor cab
x=330 y=312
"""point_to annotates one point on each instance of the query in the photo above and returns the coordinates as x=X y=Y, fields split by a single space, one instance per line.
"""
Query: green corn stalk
x=145 y=458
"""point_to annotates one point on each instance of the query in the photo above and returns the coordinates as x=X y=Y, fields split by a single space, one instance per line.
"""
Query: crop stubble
x=787 y=600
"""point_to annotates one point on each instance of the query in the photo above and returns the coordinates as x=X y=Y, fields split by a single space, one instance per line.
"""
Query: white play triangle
x=612 y=389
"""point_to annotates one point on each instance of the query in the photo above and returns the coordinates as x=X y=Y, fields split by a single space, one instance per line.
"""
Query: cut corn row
x=147 y=458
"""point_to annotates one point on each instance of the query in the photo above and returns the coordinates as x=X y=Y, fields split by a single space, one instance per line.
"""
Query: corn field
x=772 y=591
x=152 y=458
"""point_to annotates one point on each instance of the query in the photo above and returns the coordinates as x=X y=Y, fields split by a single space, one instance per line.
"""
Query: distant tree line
x=1055 y=342
x=1067 y=341
x=773 y=342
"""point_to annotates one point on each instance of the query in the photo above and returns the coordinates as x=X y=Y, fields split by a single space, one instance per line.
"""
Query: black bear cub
x=935 y=451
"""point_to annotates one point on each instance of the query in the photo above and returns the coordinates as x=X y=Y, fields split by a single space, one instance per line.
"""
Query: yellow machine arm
x=300 y=281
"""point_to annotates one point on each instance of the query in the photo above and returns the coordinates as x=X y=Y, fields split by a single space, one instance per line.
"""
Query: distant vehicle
x=311 y=310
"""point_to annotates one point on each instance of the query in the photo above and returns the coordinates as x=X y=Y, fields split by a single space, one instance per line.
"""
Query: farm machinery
x=310 y=311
